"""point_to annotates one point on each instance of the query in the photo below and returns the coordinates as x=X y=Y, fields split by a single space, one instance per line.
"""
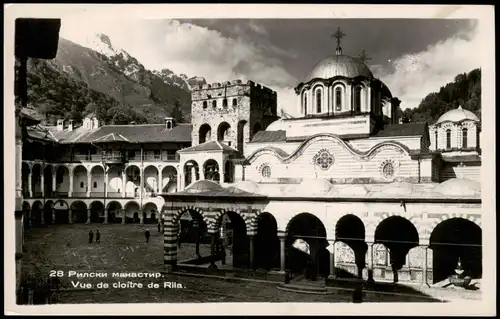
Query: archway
x=266 y=243
x=48 y=211
x=62 y=181
x=169 y=183
x=96 y=212
x=80 y=181
x=132 y=212
x=224 y=133
x=114 y=210
x=242 y=128
x=36 y=213
x=233 y=238
x=192 y=238
x=453 y=239
x=229 y=172
x=97 y=181
x=25 y=179
x=204 y=134
x=309 y=228
x=79 y=211
x=150 y=211
x=151 y=180
x=47 y=181
x=351 y=231
x=399 y=235
x=36 y=180
x=133 y=181
x=61 y=212
x=211 y=170
x=191 y=172
x=115 y=188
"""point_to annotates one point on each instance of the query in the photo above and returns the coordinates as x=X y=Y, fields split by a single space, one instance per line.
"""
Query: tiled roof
x=462 y=158
x=269 y=136
x=207 y=147
x=406 y=129
x=40 y=133
x=141 y=133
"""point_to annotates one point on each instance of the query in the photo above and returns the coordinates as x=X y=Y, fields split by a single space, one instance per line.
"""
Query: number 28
x=56 y=273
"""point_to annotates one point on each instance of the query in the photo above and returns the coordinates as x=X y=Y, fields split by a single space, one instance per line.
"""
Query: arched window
x=81 y=185
x=436 y=138
x=338 y=99
x=95 y=184
x=464 y=137
x=214 y=104
x=224 y=103
x=235 y=102
x=448 y=139
x=318 y=101
x=205 y=104
x=357 y=99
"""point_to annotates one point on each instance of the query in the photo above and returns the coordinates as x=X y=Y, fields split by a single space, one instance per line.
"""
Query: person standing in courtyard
x=147 y=234
x=91 y=236
x=97 y=237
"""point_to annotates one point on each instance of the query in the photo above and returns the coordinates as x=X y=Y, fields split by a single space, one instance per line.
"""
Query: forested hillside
x=465 y=90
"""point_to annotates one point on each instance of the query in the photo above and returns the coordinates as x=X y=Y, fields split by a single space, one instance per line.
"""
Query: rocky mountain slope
x=108 y=78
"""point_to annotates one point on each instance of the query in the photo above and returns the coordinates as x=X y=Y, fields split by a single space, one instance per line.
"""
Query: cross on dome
x=338 y=35
x=364 y=57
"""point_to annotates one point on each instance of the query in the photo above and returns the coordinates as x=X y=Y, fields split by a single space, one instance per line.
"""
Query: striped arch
x=215 y=219
x=253 y=224
x=371 y=227
x=445 y=217
x=178 y=214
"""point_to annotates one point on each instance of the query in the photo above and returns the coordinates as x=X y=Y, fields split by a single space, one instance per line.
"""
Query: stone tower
x=231 y=112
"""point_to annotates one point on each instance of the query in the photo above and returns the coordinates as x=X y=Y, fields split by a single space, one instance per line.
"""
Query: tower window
x=224 y=103
x=81 y=184
x=95 y=184
x=205 y=104
x=235 y=102
x=338 y=99
x=357 y=99
x=214 y=104
x=318 y=101
x=448 y=139
x=464 y=137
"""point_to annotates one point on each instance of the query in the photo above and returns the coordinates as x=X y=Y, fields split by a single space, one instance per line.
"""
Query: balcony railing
x=152 y=158
x=81 y=157
x=169 y=157
x=96 y=194
x=37 y=194
x=79 y=194
x=61 y=194
x=115 y=194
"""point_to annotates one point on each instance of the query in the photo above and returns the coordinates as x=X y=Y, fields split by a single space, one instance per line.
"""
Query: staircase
x=302 y=285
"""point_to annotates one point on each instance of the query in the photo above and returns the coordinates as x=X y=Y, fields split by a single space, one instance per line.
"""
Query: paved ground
x=123 y=249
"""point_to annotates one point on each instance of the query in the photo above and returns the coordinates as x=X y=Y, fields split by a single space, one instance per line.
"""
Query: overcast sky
x=412 y=56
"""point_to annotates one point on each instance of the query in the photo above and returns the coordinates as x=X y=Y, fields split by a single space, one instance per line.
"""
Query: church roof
x=339 y=65
x=269 y=136
x=405 y=129
x=203 y=186
x=207 y=147
x=457 y=115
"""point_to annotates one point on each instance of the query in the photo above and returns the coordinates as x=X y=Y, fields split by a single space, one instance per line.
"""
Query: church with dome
x=343 y=191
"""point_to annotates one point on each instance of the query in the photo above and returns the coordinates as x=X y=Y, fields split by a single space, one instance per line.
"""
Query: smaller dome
x=313 y=187
x=203 y=186
x=459 y=187
x=397 y=188
x=277 y=125
x=247 y=186
x=457 y=115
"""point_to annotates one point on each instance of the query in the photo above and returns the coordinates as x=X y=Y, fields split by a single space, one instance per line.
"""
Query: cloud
x=257 y=28
x=412 y=76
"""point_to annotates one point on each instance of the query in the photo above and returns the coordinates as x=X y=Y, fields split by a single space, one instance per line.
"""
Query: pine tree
x=177 y=113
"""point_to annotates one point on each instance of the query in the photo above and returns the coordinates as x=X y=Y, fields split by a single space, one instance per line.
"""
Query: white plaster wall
x=79 y=176
x=64 y=185
x=151 y=178
x=98 y=177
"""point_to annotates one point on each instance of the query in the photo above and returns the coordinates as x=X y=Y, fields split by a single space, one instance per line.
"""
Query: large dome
x=457 y=115
x=339 y=65
x=203 y=186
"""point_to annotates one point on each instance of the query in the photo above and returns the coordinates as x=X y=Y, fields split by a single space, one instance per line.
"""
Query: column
x=141 y=184
x=70 y=192
x=160 y=181
x=141 y=216
x=29 y=217
x=53 y=216
x=193 y=174
x=213 y=252
x=123 y=216
x=106 y=176
x=53 y=182
x=42 y=219
x=30 y=186
x=124 y=183
x=282 y=253
x=169 y=242
x=88 y=215
x=251 y=242
x=89 y=183
x=333 y=274
x=70 y=216
x=42 y=180
x=424 y=266
x=202 y=174
x=221 y=171
x=180 y=179
x=105 y=215
x=370 y=261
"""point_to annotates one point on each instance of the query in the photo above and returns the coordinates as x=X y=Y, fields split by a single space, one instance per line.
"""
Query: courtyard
x=123 y=248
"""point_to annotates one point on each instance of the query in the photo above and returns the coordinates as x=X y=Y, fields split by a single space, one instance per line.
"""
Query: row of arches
x=211 y=171
x=225 y=134
x=59 y=212
x=79 y=181
x=320 y=104
x=450 y=240
x=224 y=103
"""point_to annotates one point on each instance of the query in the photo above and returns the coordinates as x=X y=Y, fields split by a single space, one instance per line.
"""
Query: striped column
x=169 y=240
x=196 y=226
x=213 y=246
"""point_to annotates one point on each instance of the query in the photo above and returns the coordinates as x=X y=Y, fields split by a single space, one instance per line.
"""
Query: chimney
x=60 y=125
x=169 y=123
x=70 y=125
